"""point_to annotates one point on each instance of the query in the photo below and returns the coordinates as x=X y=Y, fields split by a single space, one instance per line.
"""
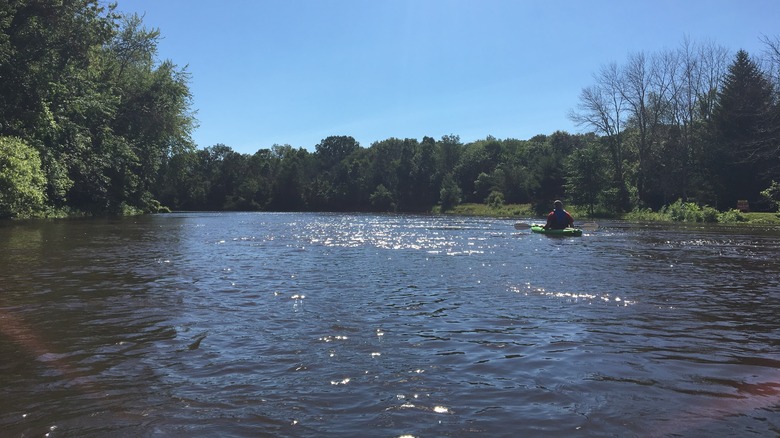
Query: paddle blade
x=522 y=226
x=590 y=226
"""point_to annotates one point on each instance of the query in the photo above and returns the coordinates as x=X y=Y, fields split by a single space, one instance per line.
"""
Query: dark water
x=361 y=325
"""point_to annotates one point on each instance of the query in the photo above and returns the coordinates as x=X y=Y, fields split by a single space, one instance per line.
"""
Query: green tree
x=772 y=195
x=81 y=86
x=50 y=94
x=587 y=176
x=291 y=175
x=478 y=157
x=743 y=119
x=423 y=176
x=382 y=199
x=450 y=193
x=448 y=151
x=484 y=185
x=513 y=176
x=332 y=150
x=22 y=180
x=352 y=182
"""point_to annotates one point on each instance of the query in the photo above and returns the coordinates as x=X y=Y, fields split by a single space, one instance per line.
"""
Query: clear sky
x=294 y=72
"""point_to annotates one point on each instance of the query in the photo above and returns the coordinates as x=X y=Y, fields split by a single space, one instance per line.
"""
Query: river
x=320 y=325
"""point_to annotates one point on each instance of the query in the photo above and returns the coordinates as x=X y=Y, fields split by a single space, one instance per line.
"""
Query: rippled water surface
x=362 y=325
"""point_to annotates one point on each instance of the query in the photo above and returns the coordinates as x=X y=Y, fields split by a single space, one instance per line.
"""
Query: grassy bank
x=678 y=212
x=508 y=210
x=763 y=218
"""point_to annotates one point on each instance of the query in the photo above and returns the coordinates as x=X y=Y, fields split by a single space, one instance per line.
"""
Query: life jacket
x=561 y=218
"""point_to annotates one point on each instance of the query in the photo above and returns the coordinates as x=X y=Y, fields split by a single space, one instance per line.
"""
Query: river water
x=319 y=325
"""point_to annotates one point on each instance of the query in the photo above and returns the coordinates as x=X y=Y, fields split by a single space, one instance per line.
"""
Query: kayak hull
x=566 y=232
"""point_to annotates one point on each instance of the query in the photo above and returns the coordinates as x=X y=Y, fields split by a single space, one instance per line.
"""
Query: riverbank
x=671 y=215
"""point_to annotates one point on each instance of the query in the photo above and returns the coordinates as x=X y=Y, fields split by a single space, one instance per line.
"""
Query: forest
x=93 y=123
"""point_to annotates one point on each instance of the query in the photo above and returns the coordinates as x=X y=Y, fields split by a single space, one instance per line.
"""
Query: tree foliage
x=21 y=179
x=81 y=84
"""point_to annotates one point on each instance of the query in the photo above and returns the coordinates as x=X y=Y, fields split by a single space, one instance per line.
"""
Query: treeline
x=91 y=122
x=391 y=175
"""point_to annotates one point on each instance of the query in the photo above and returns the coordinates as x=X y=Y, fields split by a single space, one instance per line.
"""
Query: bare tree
x=699 y=70
x=714 y=61
x=603 y=108
x=645 y=86
x=772 y=59
x=686 y=87
x=771 y=148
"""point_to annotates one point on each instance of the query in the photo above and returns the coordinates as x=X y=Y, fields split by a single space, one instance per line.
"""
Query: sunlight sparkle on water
x=333 y=338
x=526 y=289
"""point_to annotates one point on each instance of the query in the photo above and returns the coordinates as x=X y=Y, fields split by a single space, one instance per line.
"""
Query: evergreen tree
x=742 y=126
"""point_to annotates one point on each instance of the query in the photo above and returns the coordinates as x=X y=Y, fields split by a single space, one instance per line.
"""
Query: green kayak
x=564 y=232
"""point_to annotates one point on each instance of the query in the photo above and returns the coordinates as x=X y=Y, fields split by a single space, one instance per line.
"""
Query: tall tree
x=744 y=126
x=294 y=169
x=423 y=176
x=645 y=86
x=603 y=108
x=334 y=149
x=586 y=176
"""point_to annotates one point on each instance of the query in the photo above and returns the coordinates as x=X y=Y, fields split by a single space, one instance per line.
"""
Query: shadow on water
x=79 y=316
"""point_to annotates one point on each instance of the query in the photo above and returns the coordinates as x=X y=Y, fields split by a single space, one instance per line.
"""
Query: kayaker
x=559 y=218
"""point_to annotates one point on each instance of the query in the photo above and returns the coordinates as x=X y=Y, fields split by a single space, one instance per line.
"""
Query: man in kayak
x=559 y=218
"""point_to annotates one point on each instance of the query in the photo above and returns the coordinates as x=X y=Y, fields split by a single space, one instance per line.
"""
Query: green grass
x=763 y=218
x=507 y=210
x=678 y=212
x=517 y=210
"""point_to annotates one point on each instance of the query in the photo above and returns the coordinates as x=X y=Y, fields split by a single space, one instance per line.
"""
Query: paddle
x=589 y=226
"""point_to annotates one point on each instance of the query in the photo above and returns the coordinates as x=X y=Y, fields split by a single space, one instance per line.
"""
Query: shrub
x=495 y=199
x=708 y=214
x=731 y=217
x=22 y=181
x=680 y=211
x=772 y=195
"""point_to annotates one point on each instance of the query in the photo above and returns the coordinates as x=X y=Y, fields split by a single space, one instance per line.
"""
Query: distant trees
x=391 y=175
x=588 y=176
x=92 y=122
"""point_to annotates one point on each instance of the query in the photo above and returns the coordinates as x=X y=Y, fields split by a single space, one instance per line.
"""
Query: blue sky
x=294 y=72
